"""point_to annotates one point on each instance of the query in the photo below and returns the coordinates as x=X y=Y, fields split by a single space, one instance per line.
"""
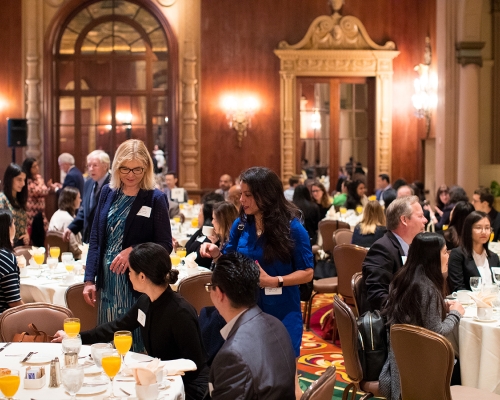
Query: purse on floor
x=39 y=336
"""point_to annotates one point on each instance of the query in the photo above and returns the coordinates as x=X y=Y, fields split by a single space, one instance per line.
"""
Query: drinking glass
x=175 y=259
x=72 y=379
x=52 y=264
x=97 y=350
x=55 y=251
x=476 y=283
x=496 y=275
x=72 y=326
x=123 y=343
x=9 y=384
x=181 y=252
x=342 y=210
x=359 y=210
x=39 y=258
x=72 y=344
x=66 y=256
x=190 y=202
x=194 y=222
x=177 y=220
x=111 y=363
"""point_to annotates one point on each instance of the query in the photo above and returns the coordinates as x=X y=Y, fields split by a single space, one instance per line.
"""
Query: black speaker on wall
x=17 y=132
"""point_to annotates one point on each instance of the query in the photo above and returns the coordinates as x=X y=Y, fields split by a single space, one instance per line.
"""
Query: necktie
x=93 y=196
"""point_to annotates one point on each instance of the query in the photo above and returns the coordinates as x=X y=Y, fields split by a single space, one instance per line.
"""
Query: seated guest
x=404 y=191
x=170 y=329
x=388 y=197
x=416 y=297
x=442 y=199
x=171 y=182
x=355 y=195
x=225 y=182
x=321 y=198
x=405 y=218
x=310 y=212
x=340 y=198
x=234 y=196
x=372 y=226
x=456 y=194
x=472 y=257
x=294 y=181
x=10 y=292
x=69 y=201
x=482 y=200
x=257 y=360
x=383 y=184
x=453 y=234
x=398 y=183
x=407 y=190
x=223 y=216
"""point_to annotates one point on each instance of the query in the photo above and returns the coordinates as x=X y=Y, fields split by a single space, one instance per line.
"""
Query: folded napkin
x=21 y=261
x=36 y=250
x=483 y=300
x=179 y=366
x=189 y=260
x=145 y=373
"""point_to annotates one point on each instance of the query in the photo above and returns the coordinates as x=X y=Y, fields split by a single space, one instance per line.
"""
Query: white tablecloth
x=174 y=392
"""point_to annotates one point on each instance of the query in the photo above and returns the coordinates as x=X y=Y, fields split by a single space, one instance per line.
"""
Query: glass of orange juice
x=9 y=384
x=194 y=222
x=72 y=326
x=111 y=363
x=343 y=210
x=123 y=343
x=359 y=209
x=181 y=252
x=190 y=202
x=177 y=220
x=55 y=251
x=175 y=259
x=39 y=258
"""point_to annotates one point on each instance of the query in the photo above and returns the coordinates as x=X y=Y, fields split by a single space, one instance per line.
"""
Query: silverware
x=5 y=346
x=28 y=356
x=94 y=384
x=124 y=391
x=124 y=380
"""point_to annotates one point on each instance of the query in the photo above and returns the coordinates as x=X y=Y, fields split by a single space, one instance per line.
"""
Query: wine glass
x=39 y=258
x=72 y=344
x=175 y=259
x=97 y=350
x=72 y=378
x=181 y=252
x=123 y=343
x=52 y=264
x=476 y=283
x=9 y=384
x=72 y=326
x=55 y=252
x=496 y=275
x=111 y=363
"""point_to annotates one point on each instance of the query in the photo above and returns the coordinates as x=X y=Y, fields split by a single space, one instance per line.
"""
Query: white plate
x=136 y=357
x=39 y=359
x=90 y=390
x=484 y=320
x=92 y=370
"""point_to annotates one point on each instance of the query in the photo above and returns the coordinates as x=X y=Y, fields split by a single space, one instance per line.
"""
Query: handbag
x=39 y=336
x=328 y=326
x=372 y=344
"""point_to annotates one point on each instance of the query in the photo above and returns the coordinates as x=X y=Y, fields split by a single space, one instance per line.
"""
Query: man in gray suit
x=257 y=360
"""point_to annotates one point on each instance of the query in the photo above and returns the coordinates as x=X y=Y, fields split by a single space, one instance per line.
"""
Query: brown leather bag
x=39 y=336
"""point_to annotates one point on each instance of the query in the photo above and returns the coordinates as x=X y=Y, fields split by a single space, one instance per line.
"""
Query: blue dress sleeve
x=302 y=254
x=234 y=236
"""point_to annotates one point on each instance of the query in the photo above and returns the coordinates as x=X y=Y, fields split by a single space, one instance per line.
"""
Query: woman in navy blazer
x=130 y=211
x=464 y=260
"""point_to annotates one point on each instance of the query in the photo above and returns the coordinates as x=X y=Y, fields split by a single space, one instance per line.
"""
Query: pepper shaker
x=53 y=375
x=58 y=371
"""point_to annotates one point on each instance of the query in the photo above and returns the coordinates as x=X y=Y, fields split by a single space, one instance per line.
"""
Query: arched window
x=111 y=74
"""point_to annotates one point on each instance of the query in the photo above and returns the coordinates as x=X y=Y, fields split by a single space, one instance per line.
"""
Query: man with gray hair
x=405 y=218
x=74 y=176
x=98 y=167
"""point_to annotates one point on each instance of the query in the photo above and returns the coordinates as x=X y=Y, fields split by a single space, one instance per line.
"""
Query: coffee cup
x=463 y=296
x=208 y=230
x=149 y=392
x=485 y=312
x=23 y=272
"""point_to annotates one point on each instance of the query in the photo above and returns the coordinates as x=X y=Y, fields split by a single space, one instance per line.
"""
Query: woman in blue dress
x=130 y=211
x=268 y=230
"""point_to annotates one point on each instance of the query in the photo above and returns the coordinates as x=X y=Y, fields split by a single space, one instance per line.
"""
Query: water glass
x=66 y=256
x=97 y=350
x=72 y=344
x=72 y=378
x=476 y=283
x=52 y=264
x=496 y=274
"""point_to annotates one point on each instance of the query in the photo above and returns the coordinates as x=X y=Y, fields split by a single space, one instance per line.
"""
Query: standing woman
x=130 y=211
x=321 y=198
x=13 y=198
x=472 y=257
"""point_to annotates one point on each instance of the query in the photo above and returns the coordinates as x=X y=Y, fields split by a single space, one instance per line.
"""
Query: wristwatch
x=280 y=281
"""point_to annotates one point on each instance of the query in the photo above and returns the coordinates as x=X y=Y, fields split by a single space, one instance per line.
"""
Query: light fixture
x=425 y=97
x=239 y=113
x=126 y=121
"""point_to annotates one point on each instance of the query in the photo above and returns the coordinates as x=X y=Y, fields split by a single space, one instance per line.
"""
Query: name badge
x=273 y=291
x=141 y=318
x=201 y=239
x=145 y=211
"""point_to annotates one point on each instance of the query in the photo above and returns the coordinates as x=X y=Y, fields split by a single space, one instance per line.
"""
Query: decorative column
x=288 y=82
x=383 y=130
x=495 y=129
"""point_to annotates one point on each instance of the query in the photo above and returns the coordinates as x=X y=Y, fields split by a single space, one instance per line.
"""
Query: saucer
x=477 y=319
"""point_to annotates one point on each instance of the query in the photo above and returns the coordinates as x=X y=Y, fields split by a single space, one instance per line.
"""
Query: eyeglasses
x=209 y=287
x=135 y=171
x=483 y=228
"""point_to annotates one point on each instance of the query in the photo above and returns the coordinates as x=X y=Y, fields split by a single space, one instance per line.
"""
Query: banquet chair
x=23 y=251
x=325 y=285
x=356 y=282
x=348 y=332
x=326 y=228
x=348 y=260
x=426 y=356
x=79 y=307
x=342 y=236
x=192 y=288
x=322 y=389
x=47 y=317
x=55 y=239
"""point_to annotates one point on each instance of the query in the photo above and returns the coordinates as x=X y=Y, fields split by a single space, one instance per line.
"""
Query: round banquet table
x=11 y=357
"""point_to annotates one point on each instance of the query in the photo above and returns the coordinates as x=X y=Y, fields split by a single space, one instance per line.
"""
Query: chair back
x=23 y=251
x=348 y=260
x=80 y=309
x=46 y=317
x=348 y=333
x=55 y=239
x=322 y=389
x=193 y=290
x=356 y=282
x=342 y=236
x=422 y=356
x=326 y=228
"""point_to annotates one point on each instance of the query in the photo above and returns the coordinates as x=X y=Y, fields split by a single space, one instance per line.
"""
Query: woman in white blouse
x=472 y=258
x=69 y=202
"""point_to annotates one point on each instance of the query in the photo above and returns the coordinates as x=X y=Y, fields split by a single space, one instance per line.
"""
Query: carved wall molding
x=336 y=46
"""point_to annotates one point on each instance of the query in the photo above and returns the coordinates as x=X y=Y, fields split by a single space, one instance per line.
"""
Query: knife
x=5 y=346
x=28 y=356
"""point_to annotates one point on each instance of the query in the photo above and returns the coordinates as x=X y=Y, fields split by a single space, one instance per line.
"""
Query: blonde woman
x=372 y=226
x=223 y=216
x=130 y=211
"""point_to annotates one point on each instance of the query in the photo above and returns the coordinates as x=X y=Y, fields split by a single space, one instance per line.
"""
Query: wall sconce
x=126 y=121
x=425 y=97
x=239 y=113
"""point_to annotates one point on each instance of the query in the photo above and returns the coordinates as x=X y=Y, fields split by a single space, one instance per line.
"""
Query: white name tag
x=273 y=291
x=201 y=239
x=145 y=211
x=141 y=317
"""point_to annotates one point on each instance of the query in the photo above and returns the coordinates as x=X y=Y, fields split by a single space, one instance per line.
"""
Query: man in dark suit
x=74 y=176
x=405 y=218
x=171 y=182
x=257 y=360
x=98 y=167
x=482 y=200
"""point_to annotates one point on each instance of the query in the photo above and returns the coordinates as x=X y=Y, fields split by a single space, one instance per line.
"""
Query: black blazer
x=367 y=240
x=74 y=178
x=381 y=263
x=85 y=217
x=193 y=246
x=462 y=268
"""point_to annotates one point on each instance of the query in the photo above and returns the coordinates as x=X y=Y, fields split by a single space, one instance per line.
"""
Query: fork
x=7 y=344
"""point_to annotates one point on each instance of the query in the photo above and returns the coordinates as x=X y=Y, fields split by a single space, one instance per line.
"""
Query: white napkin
x=179 y=366
x=189 y=261
x=483 y=300
x=145 y=373
x=21 y=261
x=36 y=250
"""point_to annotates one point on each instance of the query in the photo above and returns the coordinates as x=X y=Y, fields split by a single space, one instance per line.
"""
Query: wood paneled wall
x=238 y=39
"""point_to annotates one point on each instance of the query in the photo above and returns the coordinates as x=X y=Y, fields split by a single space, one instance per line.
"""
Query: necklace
x=259 y=232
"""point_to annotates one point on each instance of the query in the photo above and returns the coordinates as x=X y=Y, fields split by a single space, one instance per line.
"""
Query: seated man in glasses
x=257 y=360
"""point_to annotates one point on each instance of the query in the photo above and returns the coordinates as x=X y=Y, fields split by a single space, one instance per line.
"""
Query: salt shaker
x=53 y=375
x=58 y=371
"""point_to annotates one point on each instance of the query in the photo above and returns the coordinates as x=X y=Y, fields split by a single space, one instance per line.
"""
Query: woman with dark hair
x=224 y=215
x=13 y=198
x=310 y=212
x=372 y=226
x=355 y=195
x=472 y=257
x=416 y=297
x=457 y=218
x=321 y=198
x=456 y=194
x=169 y=324
x=69 y=201
x=442 y=199
x=10 y=292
